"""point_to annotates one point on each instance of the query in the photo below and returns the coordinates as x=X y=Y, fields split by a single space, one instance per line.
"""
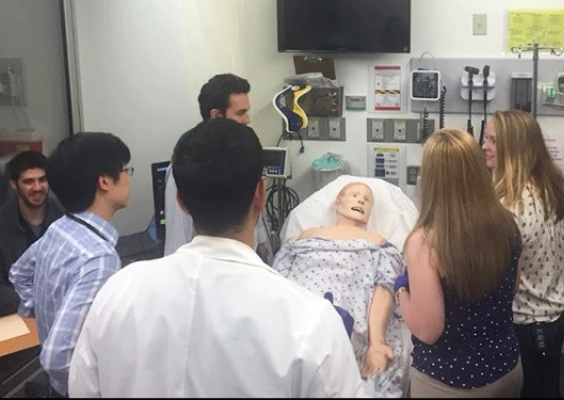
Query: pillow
x=393 y=214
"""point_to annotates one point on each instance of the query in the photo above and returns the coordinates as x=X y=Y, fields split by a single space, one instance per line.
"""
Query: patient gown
x=345 y=272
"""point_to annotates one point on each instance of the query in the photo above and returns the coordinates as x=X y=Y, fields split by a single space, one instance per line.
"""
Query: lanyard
x=87 y=225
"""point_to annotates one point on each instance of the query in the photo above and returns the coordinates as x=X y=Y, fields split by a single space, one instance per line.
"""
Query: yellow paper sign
x=545 y=27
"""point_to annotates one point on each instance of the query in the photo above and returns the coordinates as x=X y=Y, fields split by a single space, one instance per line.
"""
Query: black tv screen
x=356 y=26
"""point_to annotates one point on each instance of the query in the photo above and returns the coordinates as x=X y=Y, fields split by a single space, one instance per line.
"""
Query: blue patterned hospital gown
x=347 y=271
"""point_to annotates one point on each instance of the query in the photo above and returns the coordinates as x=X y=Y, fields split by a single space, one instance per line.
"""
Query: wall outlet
x=335 y=129
x=313 y=128
x=376 y=130
x=399 y=131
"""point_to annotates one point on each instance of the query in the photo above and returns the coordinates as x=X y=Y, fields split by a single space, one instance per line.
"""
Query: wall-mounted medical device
x=425 y=85
x=276 y=163
x=473 y=86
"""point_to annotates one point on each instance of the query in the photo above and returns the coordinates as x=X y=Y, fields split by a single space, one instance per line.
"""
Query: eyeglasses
x=128 y=170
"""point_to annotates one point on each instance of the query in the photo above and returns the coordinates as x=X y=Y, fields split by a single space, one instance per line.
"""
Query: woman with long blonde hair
x=462 y=261
x=529 y=184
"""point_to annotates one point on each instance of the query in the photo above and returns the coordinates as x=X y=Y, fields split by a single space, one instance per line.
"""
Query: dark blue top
x=478 y=345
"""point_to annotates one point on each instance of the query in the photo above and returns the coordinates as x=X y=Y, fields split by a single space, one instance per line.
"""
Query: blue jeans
x=541 y=369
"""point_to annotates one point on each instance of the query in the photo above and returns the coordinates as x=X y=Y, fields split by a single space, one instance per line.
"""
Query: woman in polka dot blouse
x=462 y=261
x=355 y=270
x=531 y=186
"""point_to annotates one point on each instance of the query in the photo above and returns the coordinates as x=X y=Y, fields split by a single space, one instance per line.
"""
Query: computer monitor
x=158 y=174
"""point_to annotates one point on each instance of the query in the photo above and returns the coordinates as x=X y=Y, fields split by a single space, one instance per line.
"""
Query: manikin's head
x=28 y=177
x=226 y=95
x=354 y=205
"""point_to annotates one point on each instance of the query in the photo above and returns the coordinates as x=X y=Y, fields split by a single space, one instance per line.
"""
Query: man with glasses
x=59 y=275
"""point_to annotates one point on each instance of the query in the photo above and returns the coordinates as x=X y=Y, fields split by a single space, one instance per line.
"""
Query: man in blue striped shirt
x=59 y=275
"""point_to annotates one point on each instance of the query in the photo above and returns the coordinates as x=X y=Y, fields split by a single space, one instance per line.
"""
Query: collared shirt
x=15 y=233
x=540 y=296
x=211 y=320
x=57 y=279
x=15 y=237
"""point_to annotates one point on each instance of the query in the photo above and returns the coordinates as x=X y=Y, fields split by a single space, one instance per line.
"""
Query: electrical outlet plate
x=313 y=128
x=399 y=131
x=335 y=128
x=16 y=65
x=376 y=130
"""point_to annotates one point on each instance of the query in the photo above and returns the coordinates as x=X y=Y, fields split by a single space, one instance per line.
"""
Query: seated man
x=356 y=270
x=25 y=217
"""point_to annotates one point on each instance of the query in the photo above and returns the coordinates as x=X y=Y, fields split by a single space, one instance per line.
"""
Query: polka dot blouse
x=540 y=297
x=478 y=345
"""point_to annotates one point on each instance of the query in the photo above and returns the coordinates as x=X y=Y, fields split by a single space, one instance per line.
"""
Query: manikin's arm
x=379 y=354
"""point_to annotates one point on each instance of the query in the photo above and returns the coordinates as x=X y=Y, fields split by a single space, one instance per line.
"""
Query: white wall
x=443 y=28
x=143 y=62
x=32 y=30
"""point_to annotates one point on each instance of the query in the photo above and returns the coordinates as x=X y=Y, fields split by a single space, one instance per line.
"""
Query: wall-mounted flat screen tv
x=355 y=26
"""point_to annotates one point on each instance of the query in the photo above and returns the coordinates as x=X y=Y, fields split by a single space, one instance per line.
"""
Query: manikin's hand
x=376 y=359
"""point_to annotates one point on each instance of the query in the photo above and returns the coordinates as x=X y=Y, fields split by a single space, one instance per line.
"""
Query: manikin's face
x=489 y=146
x=32 y=187
x=355 y=202
x=238 y=109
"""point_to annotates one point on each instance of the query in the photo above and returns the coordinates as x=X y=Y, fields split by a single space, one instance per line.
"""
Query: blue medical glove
x=401 y=281
x=347 y=318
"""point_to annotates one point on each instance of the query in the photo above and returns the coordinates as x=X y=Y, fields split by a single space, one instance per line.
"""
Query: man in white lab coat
x=212 y=319
x=223 y=95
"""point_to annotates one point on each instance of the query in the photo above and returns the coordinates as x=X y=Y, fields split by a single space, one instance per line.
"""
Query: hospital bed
x=393 y=216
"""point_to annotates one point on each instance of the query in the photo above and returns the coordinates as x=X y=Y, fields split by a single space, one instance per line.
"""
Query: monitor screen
x=375 y=26
x=158 y=175
x=274 y=158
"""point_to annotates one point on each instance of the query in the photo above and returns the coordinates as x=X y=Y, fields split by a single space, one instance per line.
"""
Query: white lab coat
x=179 y=228
x=178 y=224
x=211 y=320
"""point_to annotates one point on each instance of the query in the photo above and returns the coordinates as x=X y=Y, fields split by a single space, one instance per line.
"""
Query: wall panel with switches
x=12 y=84
x=325 y=129
x=397 y=130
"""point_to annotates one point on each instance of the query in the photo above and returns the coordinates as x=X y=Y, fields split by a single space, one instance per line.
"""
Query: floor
x=36 y=388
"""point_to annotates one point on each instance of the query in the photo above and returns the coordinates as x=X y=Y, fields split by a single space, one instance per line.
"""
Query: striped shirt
x=57 y=279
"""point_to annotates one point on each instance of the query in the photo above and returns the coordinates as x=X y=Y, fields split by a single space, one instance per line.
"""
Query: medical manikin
x=355 y=269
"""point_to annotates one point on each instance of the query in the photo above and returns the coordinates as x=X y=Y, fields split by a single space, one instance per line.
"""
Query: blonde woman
x=529 y=184
x=462 y=259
